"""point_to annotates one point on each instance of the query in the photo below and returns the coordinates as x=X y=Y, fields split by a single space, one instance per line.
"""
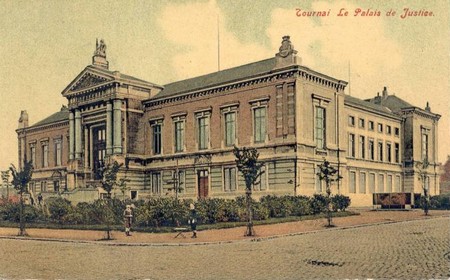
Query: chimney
x=377 y=99
x=385 y=92
x=23 y=120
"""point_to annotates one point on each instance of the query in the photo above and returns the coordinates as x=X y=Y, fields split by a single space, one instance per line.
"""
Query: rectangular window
x=362 y=147
x=388 y=129
x=351 y=145
x=156 y=128
x=181 y=181
x=397 y=187
x=261 y=183
x=45 y=155
x=371 y=150
x=396 y=131
x=229 y=179
x=156 y=183
x=389 y=184
x=58 y=153
x=380 y=183
x=179 y=136
x=362 y=182
x=33 y=155
x=371 y=125
x=43 y=186
x=397 y=152
x=352 y=182
x=203 y=133
x=259 y=121
x=351 y=120
x=319 y=183
x=361 y=123
x=424 y=146
x=320 y=126
x=389 y=152
x=427 y=183
x=371 y=183
x=380 y=127
x=380 y=151
x=230 y=128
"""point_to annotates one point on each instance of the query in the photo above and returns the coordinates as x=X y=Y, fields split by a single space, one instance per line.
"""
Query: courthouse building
x=181 y=135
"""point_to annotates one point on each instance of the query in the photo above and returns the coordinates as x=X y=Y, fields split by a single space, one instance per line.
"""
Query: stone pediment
x=88 y=78
x=88 y=81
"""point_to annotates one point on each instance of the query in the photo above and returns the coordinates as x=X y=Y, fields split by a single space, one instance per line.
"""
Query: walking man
x=128 y=217
x=193 y=221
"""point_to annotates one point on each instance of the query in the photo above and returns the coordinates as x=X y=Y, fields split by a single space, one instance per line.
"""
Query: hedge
x=167 y=211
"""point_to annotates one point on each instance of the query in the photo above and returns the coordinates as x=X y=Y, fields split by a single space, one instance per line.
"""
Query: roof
x=368 y=105
x=393 y=102
x=220 y=77
x=62 y=115
x=123 y=76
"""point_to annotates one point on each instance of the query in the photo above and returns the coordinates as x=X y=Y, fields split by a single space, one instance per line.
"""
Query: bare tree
x=108 y=176
x=20 y=180
x=328 y=174
x=247 y=163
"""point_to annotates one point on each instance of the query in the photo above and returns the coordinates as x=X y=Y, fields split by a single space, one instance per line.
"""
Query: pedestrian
x=128 y=217
x=39 y=198
x=193 y=220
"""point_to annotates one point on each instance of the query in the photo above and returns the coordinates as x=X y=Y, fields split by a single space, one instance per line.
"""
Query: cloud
x=330 y=43
x=192 y=28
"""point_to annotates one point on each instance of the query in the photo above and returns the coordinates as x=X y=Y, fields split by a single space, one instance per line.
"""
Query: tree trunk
x=21 y=221
x=250 y=231
x=329 y=214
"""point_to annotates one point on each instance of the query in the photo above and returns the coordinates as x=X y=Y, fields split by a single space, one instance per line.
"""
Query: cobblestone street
x=406 y=250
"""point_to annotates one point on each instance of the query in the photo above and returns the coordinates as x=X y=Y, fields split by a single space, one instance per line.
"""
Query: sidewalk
x=224 y=235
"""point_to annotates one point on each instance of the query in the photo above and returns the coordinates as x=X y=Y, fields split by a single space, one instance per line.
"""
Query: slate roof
x=62 y=115
x=123 y=76
x=368 y=105
x=217 y=78
x=393 y=102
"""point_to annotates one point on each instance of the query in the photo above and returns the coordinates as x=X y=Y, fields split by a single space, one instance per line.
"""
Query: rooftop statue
x=100 y=48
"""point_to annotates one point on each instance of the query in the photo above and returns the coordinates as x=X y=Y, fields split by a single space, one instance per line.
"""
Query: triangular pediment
x=88 y=78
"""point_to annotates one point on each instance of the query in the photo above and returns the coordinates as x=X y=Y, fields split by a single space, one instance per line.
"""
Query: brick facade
x=293 y=115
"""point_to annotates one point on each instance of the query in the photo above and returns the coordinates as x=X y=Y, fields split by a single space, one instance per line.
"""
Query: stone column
x=109 y=128
x=71 y=136
x=86 y=147
x=117 y=127
x=77 y=134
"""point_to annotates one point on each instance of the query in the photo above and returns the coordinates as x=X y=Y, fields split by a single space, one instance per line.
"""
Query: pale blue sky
x=45 y=44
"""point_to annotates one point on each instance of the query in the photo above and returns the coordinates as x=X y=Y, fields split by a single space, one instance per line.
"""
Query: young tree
x=108 y=177
x=422 y=168
x=328 y=174
x=122 y=185
x=20 y=180
x=247 y=163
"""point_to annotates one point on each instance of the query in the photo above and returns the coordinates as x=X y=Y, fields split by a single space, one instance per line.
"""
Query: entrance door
x=203 y=183
x=99 y=148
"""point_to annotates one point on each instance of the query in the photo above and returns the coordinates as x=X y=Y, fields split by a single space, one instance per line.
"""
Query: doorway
x=203 y=183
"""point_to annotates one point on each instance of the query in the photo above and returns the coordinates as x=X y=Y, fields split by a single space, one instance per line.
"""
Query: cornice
x=373 y=111
x=278 y=74
x=420 y=112
x=45 y=126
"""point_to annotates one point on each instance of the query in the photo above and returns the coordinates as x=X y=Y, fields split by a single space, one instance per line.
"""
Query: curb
x=256 y=239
